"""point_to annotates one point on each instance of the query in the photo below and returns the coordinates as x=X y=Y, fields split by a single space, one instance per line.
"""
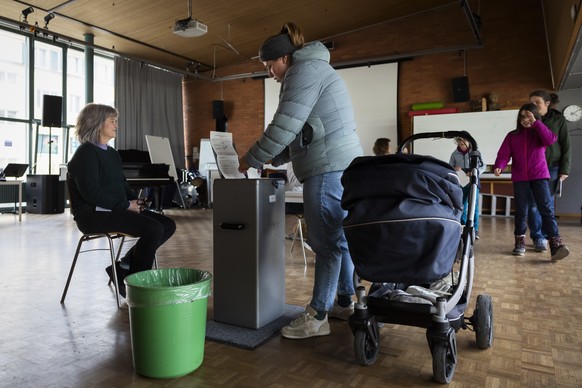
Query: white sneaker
x=339 y=312
x=306 y=326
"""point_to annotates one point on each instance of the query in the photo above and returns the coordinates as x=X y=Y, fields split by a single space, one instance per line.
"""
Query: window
x=22 y=137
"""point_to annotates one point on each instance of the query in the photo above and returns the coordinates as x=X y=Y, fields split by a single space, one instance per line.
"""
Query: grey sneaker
x=540 y=245
x=519 y=249
x=339 y=312
x=306 y=326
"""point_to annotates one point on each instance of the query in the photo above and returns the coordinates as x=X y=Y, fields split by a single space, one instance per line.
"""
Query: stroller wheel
x=365 y=349
x=483 y=321
x=443 y=361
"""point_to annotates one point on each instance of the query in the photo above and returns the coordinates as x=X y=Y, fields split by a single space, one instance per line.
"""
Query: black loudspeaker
x=45 y=194
x=217 y=109
x=222 y=124
x=460 y=89
x=52 y=109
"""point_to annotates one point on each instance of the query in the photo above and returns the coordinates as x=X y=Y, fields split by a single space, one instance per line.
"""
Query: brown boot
x=558 y=249
x=519 y=249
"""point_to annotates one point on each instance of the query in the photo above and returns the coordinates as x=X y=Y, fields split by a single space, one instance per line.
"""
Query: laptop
x=14 y=170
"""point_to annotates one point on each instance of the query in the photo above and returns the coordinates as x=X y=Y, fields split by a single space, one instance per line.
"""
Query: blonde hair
x=294 y=33
x=465 y=142
x=90 y=121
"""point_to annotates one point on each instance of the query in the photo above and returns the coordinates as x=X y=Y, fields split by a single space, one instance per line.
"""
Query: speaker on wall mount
x=217 y=109
x=52 y=109
x=222 y=124
x=460 y=89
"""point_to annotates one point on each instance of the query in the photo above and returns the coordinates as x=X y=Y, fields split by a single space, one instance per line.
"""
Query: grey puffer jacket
x=314 y=125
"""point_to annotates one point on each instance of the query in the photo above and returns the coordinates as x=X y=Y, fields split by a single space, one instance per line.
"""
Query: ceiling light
x=26 y=12
x=47 y=19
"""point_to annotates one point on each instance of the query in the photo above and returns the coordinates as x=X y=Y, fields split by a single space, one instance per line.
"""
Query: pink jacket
x=526 y=148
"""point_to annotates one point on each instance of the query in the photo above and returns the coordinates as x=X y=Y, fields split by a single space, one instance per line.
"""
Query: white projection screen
x=373 y=91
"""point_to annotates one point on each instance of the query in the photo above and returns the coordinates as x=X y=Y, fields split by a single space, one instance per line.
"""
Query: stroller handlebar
x=475 y=155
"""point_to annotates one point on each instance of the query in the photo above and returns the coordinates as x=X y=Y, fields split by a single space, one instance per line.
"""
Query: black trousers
x=153 y=230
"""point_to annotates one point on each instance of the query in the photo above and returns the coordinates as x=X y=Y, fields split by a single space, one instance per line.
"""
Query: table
x=294 y=196
x=494 y=188
x=19 y=184
x=297 y=197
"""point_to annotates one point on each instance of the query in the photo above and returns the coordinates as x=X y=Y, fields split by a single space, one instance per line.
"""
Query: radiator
x=9 y=196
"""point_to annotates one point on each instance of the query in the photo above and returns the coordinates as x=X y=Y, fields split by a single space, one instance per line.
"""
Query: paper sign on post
x=226 y=156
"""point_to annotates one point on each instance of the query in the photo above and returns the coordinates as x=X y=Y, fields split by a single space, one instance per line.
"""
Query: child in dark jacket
x=526 y=146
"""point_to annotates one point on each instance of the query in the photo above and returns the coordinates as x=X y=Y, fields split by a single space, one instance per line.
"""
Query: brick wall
x=512 y=62
x=243 y=105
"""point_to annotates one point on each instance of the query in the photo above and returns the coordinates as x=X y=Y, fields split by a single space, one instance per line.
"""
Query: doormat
x=250 y=339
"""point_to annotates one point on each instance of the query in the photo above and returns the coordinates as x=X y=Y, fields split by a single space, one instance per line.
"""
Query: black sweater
x=98 y=177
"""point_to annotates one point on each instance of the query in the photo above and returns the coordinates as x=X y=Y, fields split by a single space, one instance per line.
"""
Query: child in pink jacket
x=525 y=147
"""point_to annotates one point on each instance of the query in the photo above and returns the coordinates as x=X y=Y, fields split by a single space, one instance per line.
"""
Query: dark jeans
x=523 y=192
x=534 y=219
x=153 y=230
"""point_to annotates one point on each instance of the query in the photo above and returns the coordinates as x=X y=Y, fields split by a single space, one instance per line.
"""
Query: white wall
x=487 y=128
x=571 y=200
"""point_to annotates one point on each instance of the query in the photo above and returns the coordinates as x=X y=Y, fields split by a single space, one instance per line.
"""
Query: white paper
x=463 y=178
x=253 y=173
x=226 y=156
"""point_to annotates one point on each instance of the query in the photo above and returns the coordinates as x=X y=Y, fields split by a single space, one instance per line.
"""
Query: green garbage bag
x=167 y=316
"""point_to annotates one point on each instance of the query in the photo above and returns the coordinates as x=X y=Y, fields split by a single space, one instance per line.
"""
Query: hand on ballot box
x=243 y=165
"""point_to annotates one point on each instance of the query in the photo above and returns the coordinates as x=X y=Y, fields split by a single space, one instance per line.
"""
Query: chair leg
x=118 y=254
x=294 y=233
x=113 y=268
x=81 y=241
x=302 y=243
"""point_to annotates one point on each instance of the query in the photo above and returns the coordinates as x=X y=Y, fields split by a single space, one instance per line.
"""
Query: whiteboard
x=160 y=152
x=373 y=90
x=488 y=129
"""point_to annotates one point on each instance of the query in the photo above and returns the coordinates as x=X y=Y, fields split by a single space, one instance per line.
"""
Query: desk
x=494 y=188
x=19 y=184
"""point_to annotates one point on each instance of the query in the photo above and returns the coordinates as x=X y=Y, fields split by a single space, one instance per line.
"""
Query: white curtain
x=149 y=101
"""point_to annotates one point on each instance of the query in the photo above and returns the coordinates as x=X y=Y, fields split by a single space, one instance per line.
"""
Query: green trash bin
x=167 y=317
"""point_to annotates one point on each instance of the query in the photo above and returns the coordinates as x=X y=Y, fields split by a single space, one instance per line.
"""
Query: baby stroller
x=405 y=238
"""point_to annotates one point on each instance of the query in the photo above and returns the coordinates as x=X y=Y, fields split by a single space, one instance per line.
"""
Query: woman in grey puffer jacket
x=314 y=128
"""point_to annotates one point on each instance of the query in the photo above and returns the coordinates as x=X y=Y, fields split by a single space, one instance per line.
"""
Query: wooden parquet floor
x=86 y=342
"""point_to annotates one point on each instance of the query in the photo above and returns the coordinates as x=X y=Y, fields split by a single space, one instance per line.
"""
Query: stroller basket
x=403 y=223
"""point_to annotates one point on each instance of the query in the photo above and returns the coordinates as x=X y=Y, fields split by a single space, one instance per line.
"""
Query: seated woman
x=103 y=201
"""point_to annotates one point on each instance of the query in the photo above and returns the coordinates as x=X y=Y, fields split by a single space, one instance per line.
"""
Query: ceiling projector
x=189 y=28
